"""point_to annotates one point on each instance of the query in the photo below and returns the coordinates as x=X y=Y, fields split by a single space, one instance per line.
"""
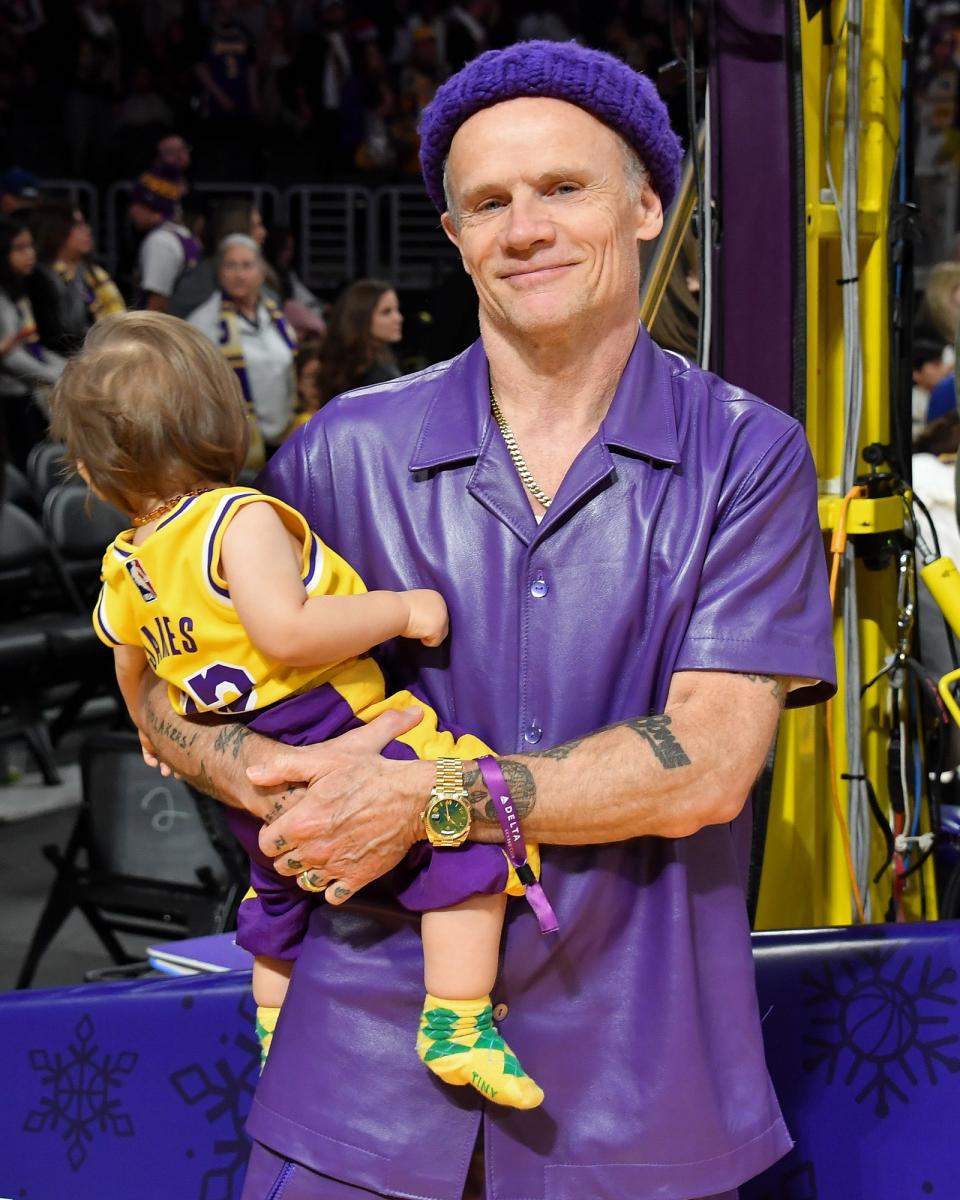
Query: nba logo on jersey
x=141 y=579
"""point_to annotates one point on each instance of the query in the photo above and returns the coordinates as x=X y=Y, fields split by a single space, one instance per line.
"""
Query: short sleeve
x=113 y=619
x=763 y=603
x=161 y=262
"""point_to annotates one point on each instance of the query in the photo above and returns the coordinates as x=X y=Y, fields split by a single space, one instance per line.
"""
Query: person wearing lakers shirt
x=227 y=595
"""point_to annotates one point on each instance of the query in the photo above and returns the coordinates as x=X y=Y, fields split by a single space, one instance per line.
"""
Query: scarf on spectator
x=232 y=350
x=100 y=294
x=29 y=338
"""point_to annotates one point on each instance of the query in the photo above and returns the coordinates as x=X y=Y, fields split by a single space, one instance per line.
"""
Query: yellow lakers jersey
x=169 y=596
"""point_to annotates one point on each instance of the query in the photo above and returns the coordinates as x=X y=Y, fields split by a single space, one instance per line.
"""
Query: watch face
x=448 y=819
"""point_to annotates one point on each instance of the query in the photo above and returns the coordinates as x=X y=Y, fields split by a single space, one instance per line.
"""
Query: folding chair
x=147 y=856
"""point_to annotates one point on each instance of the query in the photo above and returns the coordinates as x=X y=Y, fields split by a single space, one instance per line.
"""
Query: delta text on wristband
x=514 y=844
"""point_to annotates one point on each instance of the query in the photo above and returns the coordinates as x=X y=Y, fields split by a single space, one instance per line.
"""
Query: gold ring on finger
x=310 y=882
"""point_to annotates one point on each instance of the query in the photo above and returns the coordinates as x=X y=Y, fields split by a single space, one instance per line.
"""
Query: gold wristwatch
x=446 y=819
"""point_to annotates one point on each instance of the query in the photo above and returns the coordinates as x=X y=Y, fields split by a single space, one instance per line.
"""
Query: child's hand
x=428 y=619
x=150 y=755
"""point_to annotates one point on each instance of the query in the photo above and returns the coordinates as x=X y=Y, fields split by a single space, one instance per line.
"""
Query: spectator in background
x=142 y=106
x=938 y=101
x=369 y=108
x=308 y=383
x=19 y=191
x=301 y=307
x=276 y=77
x=226 y=67
x=69 y=289
x=250 y=329
x=929 y=369
x=363 y=327
x=95 y=86
x=27 y=368
x=168 y=248
x=200 y=282
x=941 y=300
x=418 y=85
x=323 y=69
x=467 y=31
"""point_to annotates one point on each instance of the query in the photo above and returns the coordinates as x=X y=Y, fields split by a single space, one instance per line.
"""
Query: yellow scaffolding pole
x=805 y=881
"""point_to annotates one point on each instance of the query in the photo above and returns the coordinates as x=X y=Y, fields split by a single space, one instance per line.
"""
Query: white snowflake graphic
x=881 y=1018
x=81 y=1100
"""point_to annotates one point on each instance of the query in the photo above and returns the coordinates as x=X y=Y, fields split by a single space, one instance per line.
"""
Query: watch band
x=513 y=843
x=449 y=775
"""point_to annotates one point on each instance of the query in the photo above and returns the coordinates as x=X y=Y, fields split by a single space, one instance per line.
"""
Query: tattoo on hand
x=341 y=892
x=655 y=731
x=294 y=864
x=231 y=737
x=280 y=842
x=778 y=686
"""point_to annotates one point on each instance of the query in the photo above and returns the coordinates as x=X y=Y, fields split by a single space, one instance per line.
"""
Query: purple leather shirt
x=683 y=537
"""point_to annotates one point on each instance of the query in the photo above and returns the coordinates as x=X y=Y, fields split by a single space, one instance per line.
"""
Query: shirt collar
x=641 y=419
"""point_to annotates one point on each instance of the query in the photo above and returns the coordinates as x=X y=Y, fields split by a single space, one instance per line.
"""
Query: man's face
x=547 y=229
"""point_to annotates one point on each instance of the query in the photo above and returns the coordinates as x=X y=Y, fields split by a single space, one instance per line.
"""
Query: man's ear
x=450 y=229
x=649 y=214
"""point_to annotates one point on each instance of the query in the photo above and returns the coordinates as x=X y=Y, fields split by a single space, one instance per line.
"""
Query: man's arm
x=659 y=776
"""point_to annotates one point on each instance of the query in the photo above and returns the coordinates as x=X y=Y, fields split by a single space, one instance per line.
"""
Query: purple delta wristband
x=513 y=842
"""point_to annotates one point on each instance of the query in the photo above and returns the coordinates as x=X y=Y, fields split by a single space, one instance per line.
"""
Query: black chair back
x=47 y=466
x=81 y=526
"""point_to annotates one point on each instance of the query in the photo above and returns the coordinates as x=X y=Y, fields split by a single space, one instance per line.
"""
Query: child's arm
x=130 y=662
x=261 y=561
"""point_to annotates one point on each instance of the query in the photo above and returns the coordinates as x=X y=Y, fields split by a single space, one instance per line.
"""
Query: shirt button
x=539 y=588
x=532 y=734
x=500 y=1011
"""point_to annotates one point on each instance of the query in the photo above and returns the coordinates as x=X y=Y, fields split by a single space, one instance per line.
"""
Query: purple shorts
x=274 y=922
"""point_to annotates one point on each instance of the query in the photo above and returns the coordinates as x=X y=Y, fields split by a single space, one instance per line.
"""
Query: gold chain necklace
x=519 y=461
x=157 y=512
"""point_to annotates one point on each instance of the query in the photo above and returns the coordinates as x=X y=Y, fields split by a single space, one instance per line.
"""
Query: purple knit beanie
x=591 y=79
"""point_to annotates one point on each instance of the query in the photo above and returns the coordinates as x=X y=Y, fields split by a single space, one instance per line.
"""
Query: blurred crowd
x=342 y=80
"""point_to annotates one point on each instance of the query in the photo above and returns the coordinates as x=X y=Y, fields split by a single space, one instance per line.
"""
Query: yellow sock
x=459 y=1042
x=266 y=1024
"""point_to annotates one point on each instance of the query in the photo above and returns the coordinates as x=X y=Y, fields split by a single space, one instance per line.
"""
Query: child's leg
x=458 y=1040
x=461 y=947
x=271 y=978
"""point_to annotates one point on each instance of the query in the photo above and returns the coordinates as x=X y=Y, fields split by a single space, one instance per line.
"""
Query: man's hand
x=360 y=812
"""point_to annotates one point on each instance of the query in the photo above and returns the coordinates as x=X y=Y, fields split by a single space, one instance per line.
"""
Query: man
x=630 y=553
x=19 y=192
x=168 y=248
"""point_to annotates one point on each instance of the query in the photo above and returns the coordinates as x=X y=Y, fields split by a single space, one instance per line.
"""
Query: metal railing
x=335 y=233
x=414 y=250
x=342 y=231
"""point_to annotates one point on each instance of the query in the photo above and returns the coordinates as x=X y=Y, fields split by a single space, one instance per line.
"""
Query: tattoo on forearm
x=778 y=686
x=164 y=728
x=231 y=737
x=559 y=753
x=656 y=732
x=203 y=783
x=522 y=789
